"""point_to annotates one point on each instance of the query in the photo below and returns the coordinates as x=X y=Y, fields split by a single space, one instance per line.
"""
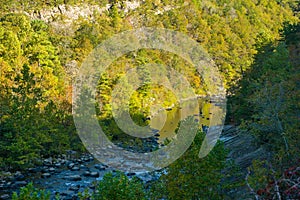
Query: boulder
x=86 y=173
x=75 y=169
x=84 y=167
x=46 y=175
x=52 y=170
x=19 y=176
x=73 y=178
x=19 y=184
x=57 y=165
x=94 y=174
x=71 y=165
x=33 y=170
x=4 y=196
x=47 y=162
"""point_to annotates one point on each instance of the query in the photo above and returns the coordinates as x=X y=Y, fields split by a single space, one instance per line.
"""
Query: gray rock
x=95 y=174
x=8 y=184
x=73 y=178
x=75 y=169
x=71 y=165
x=19 y=176
x=19 y=184
x=86 y=173
x=84 y=167
x=52 y=169
x=86 y=159
x=47 y=162
x=46 y=175
x=33 y=170
x=57 y=165
x=4 y=197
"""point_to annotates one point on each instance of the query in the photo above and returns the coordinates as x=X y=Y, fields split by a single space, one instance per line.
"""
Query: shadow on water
x=166 y=122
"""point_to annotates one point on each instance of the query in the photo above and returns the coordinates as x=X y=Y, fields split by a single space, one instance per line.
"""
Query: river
x=68 y=176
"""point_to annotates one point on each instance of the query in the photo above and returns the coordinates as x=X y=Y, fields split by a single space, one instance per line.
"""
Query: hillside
x=254 y=45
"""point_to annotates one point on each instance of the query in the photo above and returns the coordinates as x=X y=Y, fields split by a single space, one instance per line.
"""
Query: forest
x=255 y=45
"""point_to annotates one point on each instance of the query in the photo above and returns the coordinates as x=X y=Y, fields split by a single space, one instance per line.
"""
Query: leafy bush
x=190 y=177
x=119 y=187
x=29 y=192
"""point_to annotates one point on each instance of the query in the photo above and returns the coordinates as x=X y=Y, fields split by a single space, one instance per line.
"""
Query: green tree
x=193 y=178
x=119 y=187
x=29 y=192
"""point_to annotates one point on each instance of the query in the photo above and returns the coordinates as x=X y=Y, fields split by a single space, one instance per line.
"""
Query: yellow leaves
x=10 y=47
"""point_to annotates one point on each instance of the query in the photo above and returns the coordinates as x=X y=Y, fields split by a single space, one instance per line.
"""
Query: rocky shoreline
x=64 y=176
x=69 y=174
x=72 y=172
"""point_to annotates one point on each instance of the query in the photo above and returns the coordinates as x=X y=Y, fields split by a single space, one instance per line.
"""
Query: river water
x=164 y=122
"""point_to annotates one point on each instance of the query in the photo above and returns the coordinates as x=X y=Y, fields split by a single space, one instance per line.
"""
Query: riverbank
x=68 y=175
x=63 y=176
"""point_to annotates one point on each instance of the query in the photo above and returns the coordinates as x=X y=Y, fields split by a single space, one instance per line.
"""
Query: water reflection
x=165 y=122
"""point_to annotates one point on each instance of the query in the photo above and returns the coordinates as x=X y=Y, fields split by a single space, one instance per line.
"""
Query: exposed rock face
x=241 y=146
x=70 y=13
x=242 y=150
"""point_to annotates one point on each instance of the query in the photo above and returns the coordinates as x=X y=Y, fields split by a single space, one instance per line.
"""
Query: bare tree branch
x=248 y=185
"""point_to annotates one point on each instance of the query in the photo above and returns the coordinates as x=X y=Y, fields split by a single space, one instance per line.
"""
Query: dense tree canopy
x=254 y=44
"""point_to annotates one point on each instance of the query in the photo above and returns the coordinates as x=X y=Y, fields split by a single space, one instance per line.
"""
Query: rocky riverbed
x=63 y=176
x=70 y=174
